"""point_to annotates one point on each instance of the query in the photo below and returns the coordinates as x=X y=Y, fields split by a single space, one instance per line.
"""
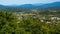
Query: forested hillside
x=17 y=23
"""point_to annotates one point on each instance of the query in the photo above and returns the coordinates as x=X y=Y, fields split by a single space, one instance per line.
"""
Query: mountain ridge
x=54 y=4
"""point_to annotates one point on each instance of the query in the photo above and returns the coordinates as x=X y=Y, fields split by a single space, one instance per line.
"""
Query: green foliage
x=27 y=25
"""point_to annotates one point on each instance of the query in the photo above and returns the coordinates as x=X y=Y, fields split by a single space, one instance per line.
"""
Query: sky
x=19 y=2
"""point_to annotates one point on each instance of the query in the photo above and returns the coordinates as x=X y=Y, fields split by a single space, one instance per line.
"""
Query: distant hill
x=27 y=6
x=34 y=6
x=2 y=6
x=38 y=4
x=55 y=4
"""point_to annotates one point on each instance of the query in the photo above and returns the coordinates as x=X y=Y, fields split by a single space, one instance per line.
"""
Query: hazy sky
x=18 y=2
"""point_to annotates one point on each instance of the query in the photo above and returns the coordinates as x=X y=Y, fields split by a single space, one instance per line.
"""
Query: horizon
x=20 y=2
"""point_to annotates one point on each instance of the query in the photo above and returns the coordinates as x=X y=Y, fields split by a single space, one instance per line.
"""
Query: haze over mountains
x=54 y=4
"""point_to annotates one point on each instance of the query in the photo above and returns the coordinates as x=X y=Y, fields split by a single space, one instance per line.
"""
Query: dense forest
x=32 y=21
